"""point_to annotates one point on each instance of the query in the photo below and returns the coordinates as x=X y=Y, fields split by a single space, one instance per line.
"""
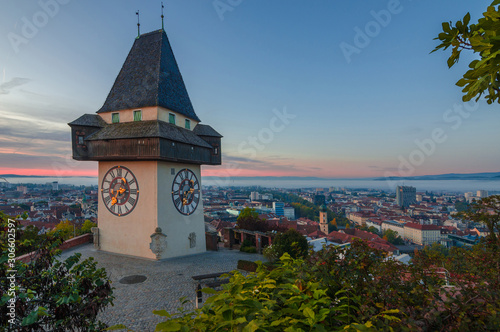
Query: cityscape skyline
x=356 y=96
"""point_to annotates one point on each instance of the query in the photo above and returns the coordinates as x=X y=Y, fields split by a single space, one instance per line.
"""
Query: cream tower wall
x=131 y=234
x=176 y=226
x=149 y=113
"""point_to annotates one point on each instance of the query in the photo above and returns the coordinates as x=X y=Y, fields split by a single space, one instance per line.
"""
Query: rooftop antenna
x=162 y=16
x=138 y=24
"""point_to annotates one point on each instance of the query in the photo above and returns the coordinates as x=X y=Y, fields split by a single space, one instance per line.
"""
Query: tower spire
x=162 y=16
x=138 y=24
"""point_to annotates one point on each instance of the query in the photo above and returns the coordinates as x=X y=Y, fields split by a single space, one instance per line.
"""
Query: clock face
x=120 y=191
x=186 y=192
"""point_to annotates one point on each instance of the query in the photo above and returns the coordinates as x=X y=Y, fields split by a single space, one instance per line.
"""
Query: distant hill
x=40 y=176
x=450 y=176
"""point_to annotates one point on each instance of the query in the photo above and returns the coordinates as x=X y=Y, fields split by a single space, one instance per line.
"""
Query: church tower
x=323 y=220
x=150 y=146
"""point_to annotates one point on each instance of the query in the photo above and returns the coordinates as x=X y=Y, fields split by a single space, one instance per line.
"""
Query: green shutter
x=115 y=117
x=171 y=118
x=188 y=124
x=137 y=115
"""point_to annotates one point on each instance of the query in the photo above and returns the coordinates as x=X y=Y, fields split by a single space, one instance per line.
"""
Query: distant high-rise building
x=55 y=185
x=419 y=197
x=482 y=193
x=289 y=212
x=279 y=208
x=331 y=189
x=22 y=189
x=254 y=196
x=406 y=195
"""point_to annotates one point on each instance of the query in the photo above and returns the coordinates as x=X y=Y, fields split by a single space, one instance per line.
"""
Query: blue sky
x=271 y=76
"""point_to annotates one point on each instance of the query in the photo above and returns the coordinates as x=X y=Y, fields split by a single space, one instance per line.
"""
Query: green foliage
x=249 y=250
x=86 y=227
x=483 y=39
x=27 y=239
x=290 y=242
x=248 y=246
x=487 y=212
x=51 y=295
x=248 y=213
x=65 y=229
x=462 y=206
x=250 y=221
x=392 y=237
x=354 y=289
x=435 y=251
x=370 y=229
x=248 y=243
x=247 y=265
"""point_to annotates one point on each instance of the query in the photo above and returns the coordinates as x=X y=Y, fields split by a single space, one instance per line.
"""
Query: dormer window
x=188 y=124
x=138 y=115
x=115 y=117
x=171 y=118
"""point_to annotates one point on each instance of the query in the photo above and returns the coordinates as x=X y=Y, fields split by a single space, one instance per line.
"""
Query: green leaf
x=163 y=313
x=309 y=313
x=168 y=326
x=30 y=319
x=209 y=291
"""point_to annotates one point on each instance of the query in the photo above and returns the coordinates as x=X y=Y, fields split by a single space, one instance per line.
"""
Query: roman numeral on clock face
x=185 y=191
x=120 y=191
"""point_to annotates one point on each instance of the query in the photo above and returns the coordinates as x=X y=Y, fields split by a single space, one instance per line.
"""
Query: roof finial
x=162 y=16
x=138 y=24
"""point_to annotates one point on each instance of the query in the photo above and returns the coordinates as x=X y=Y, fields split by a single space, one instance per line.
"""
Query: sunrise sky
x=297 y=88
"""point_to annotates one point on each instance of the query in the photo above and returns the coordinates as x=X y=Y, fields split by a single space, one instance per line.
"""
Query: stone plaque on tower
x=150 y=146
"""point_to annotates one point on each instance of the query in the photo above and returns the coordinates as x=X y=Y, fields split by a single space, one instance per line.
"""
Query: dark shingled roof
x=145 y=129
x=205 y=130
x=150 y=77
x=89 y=120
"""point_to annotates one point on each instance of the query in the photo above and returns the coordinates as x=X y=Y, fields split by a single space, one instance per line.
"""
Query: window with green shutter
x=115 y=117
x=171 y=118
x=188 y=124
x=138 y=115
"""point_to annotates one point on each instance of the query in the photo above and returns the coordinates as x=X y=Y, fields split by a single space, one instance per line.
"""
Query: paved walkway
x=167 y=281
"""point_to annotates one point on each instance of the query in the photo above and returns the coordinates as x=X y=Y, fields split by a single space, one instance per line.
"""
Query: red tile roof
x=422 y=227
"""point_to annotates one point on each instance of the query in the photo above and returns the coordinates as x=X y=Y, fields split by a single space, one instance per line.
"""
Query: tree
x=461 y=206
x=65 y=229
x=290 y=242
x=248 y=213
x=49 y=294
x=483 y=39
x=250 y=221
x=487 y=212
x=392 y=237
x=86 y=227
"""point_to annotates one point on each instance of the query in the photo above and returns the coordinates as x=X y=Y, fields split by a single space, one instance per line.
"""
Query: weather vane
x=138 y=24
x=162 y=16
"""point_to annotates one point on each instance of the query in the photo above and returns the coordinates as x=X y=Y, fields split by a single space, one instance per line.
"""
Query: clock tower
x=150 y=146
